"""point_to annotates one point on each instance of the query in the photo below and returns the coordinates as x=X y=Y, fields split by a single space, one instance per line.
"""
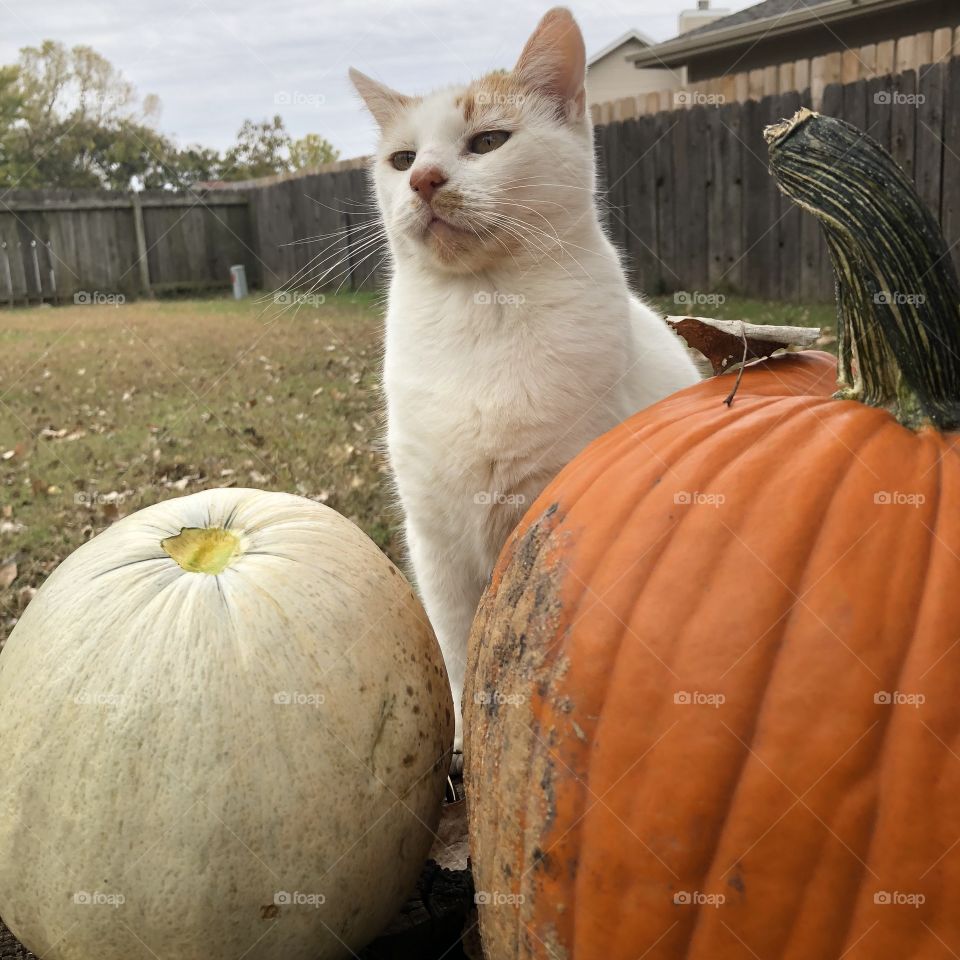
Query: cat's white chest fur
x=488 y=373
x=493 y=385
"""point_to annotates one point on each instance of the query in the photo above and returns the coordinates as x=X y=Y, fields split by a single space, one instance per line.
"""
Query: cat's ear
x=554 y=61
x=381 y=101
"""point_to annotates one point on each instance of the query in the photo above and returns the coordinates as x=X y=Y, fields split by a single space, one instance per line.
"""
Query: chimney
x=691 y=19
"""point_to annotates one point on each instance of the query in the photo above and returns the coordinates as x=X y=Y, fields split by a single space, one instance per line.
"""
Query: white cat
x=512 y=339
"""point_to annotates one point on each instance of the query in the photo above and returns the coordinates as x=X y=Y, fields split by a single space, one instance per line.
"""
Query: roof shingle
x=760 y=11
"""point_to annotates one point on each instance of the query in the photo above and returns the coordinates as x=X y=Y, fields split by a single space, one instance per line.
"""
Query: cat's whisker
x=508 y=201
x=512 y=204
x=516 y=230
x=494 y=235
x=326 y=254
x=344 y=231
x=518 y=226
x=543 y=180
x=314 y=282
x=364 y=233
x=517 y=234
x=371 y=244
x=381 y=299
x=366 y=205
x=565 y=244
x=353 y=266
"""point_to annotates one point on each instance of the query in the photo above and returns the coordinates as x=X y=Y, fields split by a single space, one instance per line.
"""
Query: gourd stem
x=898 y=300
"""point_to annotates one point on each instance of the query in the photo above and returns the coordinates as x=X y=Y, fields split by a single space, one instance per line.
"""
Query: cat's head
x=468 y=176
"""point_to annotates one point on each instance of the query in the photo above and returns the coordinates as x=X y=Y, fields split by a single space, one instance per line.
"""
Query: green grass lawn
x=104 y=410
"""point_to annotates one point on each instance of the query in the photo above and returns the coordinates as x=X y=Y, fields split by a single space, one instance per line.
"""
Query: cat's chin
x=451 y=247
x=445 y=232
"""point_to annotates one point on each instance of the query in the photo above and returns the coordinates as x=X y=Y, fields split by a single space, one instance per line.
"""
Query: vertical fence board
x=879 y=110
x=757 y=262
x=790 y=217
x=904 y=121
x=736 y=198
x=716 y=221
x=928 y=163
x=692 y=218
x=615 y=161
x=664 y=127
x=681 y=172
x=641 y=201
x=950 y=201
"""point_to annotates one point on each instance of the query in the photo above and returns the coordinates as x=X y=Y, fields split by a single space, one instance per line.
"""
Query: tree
x=262 y=149
x=10 y=104
x=311 y=151
x=265 y=148
x=184 y=168
x=78 y=122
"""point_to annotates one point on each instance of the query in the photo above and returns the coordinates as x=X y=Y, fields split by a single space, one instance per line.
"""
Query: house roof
x=759 y=11
x=619 y=42
x=772 y=17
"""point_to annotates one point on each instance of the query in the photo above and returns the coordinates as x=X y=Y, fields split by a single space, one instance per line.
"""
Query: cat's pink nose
x=427 y=181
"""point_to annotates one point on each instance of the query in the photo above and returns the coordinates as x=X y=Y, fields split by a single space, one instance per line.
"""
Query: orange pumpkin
x=712 y=695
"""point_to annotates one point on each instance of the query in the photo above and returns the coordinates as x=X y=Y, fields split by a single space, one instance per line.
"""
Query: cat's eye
x=402 y=159
x=489 y=140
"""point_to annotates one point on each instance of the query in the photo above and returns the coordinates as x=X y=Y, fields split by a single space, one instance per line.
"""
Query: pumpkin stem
x=203 y=549
x=898 y=301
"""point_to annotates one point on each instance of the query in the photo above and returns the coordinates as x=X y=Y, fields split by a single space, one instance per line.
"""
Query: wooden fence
x=318 y=229
x=66 y=245
x=690 y=199
x=687 y=198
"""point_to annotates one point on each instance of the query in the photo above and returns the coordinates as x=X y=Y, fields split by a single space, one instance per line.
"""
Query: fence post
x=141 y=244
x=7 y=273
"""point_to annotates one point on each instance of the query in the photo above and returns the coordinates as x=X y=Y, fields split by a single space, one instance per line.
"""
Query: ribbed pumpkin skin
x=595 y=799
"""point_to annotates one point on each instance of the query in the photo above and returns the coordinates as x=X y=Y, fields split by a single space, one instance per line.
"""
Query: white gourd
x=227 y=742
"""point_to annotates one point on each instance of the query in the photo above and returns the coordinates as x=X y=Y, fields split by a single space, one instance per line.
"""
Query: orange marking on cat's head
x=497 y=93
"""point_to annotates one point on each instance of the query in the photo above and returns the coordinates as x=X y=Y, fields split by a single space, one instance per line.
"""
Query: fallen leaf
x=19 y=451
x=8 y=573
x=722 y=341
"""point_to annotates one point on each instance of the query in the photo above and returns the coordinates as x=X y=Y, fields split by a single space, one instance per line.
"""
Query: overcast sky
x=215 y=63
